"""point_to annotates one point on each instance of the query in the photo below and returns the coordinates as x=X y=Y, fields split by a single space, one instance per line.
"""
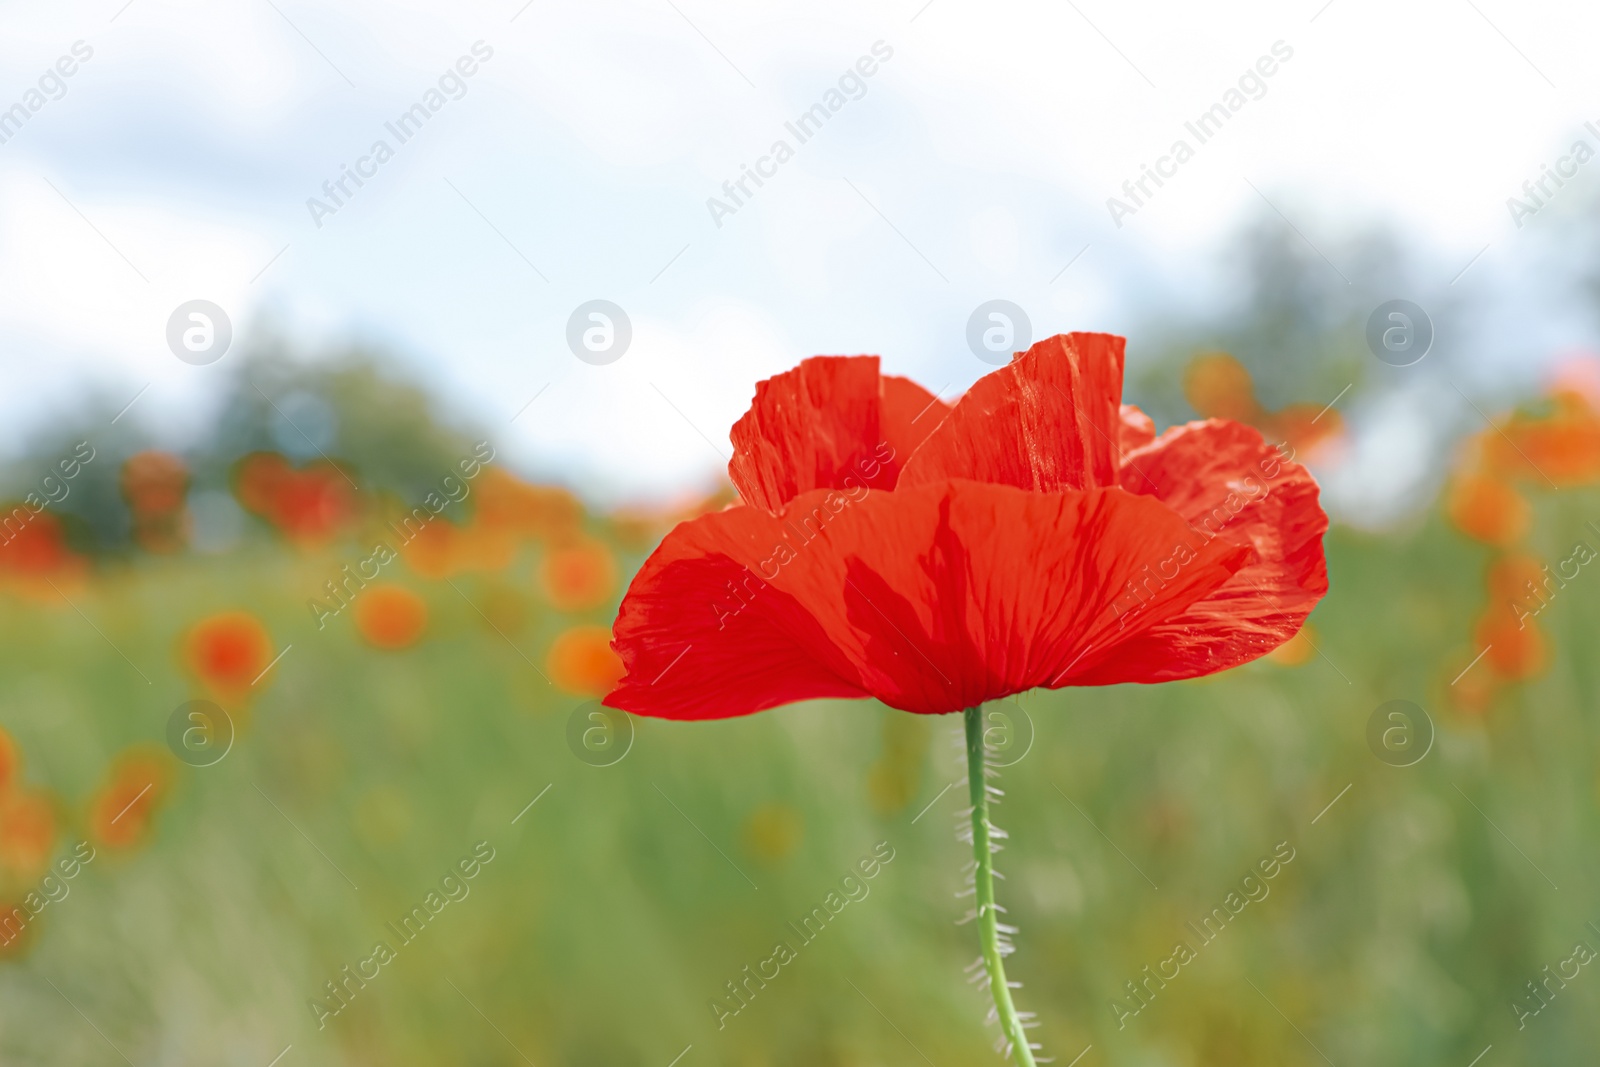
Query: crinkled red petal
x=1228 y=482
x=831 y=423
x=931 y=598
x=1048 y=420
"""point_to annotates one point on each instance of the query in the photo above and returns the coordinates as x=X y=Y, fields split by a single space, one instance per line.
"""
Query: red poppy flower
x=228 y=652
x=1034 y=533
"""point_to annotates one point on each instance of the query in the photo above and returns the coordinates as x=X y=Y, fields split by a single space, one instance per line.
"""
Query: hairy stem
x=983 y=881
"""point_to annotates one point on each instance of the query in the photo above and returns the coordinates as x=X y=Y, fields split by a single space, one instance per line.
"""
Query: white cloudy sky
x=178 y=164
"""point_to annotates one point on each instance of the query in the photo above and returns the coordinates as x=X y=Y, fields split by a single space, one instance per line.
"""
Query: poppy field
x=329 y=781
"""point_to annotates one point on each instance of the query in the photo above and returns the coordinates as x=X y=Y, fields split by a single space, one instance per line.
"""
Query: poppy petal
x=1226 y=480
x=931 y=599
x=701 y=636
x=1048 y=420
x=831 y=423
x=1138 y=430
x=910 y=414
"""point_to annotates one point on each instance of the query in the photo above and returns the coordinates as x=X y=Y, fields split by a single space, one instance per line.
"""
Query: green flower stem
x=983 y=881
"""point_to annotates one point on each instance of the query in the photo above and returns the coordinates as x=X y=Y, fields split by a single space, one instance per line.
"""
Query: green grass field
x=616 y=909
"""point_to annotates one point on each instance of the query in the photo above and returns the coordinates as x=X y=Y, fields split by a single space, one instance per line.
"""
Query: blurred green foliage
x=1419 y=902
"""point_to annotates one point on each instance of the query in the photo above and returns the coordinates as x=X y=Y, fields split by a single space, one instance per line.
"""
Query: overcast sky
x=576 y=163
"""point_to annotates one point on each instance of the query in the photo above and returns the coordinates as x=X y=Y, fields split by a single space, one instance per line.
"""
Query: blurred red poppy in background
x=310 y=505
x=1035 y=533
x=154 y=484
x=121 y=812
x=27 y=833
x=1218 y=386
x=227 y=652
x=10 y=763
x=581 y=661
x=578 y=577
x=390 y=616
x=34 y=555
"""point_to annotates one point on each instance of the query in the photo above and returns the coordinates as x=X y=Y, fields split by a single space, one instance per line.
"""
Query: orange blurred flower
x=1563 y=446
x=1295 y=651
x=121 y=812
x=541 y=512
x=313 y=505
x=579 y=577
x=1219 y=387
x=1309 y=429
x=390 y=616
x=485 y=548
x=1487 y=509
x=256 y=479
x=1509 y=578
x=227 y=652
x=581 y=661
x=1516 y=648
x=10 y=763
x=34 y=553
x=16 y=929
x=433 y=551
x=1472 y=687
x=153 y=484
x=310 y=506
x=27 y=834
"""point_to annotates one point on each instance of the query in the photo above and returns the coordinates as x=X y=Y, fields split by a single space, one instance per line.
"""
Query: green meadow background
x=1419 y=902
